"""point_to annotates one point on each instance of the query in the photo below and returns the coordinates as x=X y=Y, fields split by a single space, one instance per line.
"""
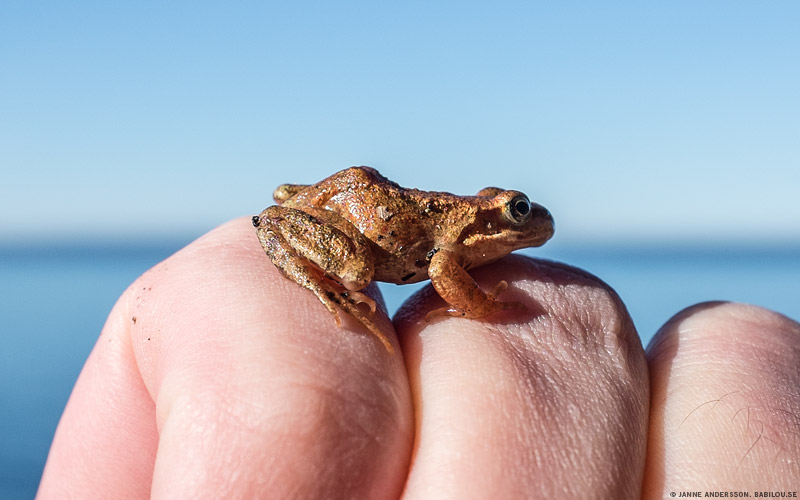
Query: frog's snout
x=544 y=219
x=540 y=212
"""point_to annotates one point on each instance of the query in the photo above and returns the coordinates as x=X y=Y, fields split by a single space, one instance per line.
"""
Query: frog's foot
x=335 y=298
x=349 y=302
x=476 y=312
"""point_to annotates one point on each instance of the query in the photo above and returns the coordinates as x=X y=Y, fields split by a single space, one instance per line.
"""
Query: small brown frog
x=356 y=226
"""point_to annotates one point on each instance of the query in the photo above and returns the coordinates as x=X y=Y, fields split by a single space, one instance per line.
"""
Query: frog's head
x=505 y=221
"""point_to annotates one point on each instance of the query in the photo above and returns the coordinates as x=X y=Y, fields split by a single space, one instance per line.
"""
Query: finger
x=725 y=411
x=548 y=403
x=256 y=392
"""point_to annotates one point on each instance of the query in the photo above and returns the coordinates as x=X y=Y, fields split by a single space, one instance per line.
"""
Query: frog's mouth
x=516 y=240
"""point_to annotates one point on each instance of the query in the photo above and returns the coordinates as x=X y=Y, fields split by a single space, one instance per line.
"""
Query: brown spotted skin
x=356 y=226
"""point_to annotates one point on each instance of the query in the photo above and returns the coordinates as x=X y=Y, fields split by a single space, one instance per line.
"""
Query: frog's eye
x=518 y=210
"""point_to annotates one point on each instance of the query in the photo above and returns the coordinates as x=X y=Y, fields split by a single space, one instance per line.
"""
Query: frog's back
x=359 y=179
x=342 y=192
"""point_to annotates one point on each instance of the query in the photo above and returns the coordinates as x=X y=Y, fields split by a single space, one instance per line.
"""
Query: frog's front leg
x=461 y=292
x=286 y=191
x=324 y=253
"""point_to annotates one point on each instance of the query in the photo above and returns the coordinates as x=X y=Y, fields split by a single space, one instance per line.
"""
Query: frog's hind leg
x=308 y=249
x=297 y=269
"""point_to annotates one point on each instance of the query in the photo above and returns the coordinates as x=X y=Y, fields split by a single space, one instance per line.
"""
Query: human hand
x=215 y=377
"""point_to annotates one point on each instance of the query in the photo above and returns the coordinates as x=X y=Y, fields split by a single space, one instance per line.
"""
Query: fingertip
x=728 y=324
x=512 y=383
x=249 y=371
x=724 y=382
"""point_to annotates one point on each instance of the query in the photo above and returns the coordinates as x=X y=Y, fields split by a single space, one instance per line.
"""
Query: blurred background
x=665 y=139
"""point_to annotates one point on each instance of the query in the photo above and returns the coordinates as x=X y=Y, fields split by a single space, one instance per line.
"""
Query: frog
x=356 y=226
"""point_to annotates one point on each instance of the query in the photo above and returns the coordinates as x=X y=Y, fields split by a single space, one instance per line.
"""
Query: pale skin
x=233 y=382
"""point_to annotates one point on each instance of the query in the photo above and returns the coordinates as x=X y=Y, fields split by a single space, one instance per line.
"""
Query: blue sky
x=675 y=122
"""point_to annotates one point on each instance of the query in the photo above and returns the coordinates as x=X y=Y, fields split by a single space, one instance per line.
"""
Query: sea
x=54 y=301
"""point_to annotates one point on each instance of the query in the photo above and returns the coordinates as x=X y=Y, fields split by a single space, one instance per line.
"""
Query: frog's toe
x=496 y=305
x=378 y=333
x=362 y=298
x=444 y=311
x=329 y=299
x=497 y=290
x=337 y=319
